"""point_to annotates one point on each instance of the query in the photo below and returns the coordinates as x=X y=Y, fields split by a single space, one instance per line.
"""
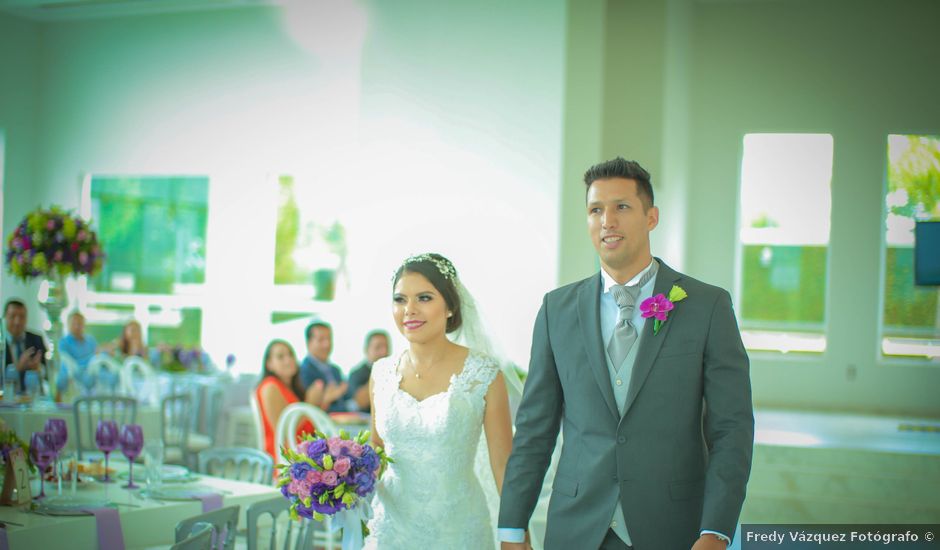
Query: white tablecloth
x=145 y=523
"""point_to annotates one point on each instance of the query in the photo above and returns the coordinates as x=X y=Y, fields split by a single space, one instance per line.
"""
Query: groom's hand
x=708 y=541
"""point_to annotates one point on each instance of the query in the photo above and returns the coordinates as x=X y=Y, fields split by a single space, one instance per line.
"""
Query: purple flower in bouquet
x=364 y=482
x=299 y=470
x=342 y=466
x=316 y=449
x=330 y=478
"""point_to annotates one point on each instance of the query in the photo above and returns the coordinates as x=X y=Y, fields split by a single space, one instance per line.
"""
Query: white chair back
x=256 y=419
x=104 y=362
x=136 y=368
x=290 y=419
x=71 y=369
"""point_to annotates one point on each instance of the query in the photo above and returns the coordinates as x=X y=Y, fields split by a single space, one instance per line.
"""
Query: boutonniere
x=659 y=306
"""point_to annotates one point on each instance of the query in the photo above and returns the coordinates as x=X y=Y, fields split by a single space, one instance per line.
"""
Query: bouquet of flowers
x=53 y=241
x=334 y=477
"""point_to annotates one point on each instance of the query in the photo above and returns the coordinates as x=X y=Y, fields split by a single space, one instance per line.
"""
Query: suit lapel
x=589 y=297
x=650 y=343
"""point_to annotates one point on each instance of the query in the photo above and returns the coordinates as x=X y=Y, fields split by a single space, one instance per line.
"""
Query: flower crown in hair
x=444 y=267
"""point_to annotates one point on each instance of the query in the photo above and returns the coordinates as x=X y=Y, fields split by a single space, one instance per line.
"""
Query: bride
x=429 y=407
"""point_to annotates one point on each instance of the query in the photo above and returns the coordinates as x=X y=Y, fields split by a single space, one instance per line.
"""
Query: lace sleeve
x=478 y=374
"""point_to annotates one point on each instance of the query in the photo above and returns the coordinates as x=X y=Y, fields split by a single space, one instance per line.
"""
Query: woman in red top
x=279 y=387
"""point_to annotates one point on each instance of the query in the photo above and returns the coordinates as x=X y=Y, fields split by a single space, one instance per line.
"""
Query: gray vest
x=620 y=382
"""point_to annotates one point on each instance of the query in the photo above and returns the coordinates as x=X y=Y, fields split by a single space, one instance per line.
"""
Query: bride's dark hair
x=440 y=272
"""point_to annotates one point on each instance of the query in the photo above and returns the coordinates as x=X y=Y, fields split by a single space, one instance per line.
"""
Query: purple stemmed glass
x=42 y=451
x=106 y=438
x=132 y=442
x=60 y=435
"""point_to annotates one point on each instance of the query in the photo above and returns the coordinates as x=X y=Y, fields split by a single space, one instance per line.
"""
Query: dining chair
x=238 y=463
x=103 y=363
x=290 y=419
x=258 y=422
x=139 y=380
x=69 y=387
x=199 y=538
x=301 y=533
x=175 y=413
x=87 y=411
x=224 y=522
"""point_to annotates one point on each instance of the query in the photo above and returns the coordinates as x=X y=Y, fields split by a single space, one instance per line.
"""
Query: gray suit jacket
x=680 y=456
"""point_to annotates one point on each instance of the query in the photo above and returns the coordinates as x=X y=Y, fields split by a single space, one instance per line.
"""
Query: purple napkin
x=210 y=501
x=4 y=543
x=108 y=520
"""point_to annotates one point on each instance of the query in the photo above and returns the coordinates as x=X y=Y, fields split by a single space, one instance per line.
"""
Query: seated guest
x=376 y=347
x=316 y=371
x=25 y=351
x=132 y=341
x=278 y=388
x=76 y=343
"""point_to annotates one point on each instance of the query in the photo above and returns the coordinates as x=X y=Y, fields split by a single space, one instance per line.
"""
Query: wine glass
x=60 y=435
x=106 y=438
x=132 y=442
x=42 y=452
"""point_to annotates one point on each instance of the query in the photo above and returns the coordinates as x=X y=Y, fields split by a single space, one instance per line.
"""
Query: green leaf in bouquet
x=339 y=490
x=323 y=498
x=363 y=437
x=282 y=481
x=343 y=434
x=308 y=501
x=293 y=513
x=318 y=516
x=349 y=498
x=328 y=462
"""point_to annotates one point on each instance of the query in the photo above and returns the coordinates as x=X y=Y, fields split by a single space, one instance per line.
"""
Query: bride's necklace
x=414 y=366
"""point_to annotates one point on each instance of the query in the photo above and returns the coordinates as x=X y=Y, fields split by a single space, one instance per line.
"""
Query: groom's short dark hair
x=626 y=169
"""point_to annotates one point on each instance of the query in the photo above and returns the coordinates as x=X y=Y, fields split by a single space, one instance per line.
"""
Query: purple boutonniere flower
x=659 y=306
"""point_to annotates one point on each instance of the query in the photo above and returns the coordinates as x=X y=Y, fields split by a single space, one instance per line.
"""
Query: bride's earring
x=450 y=314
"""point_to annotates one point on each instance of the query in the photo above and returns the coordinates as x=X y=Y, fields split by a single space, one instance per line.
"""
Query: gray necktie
x=625 y=333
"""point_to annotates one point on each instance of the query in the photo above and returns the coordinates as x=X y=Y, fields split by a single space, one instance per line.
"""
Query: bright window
x=153 y=229
x=910 y=322
x=784 y=238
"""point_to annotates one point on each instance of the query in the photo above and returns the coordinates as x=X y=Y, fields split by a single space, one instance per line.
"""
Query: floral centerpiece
x=181 y=359
x=53 y=242
x=333 y=477
x=9 y=441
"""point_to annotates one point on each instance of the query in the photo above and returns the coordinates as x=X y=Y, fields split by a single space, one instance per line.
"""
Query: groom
x=658 y=423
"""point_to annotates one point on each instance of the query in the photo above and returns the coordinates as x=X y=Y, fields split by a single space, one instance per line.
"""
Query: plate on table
x=171 y=473
x=178 y=492
x=69 y=505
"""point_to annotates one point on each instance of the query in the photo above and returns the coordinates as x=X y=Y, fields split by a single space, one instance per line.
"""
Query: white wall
x=419 y=122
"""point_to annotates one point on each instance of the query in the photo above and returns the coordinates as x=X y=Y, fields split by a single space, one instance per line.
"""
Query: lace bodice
x=430 y=495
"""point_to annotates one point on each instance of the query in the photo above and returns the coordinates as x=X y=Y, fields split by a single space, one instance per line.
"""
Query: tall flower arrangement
x=51 y=242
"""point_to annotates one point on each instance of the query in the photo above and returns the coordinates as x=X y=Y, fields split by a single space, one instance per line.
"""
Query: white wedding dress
x=431 y=497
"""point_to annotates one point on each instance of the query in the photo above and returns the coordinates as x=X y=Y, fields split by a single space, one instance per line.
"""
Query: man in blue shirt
x=316 y=369
x=76 y=343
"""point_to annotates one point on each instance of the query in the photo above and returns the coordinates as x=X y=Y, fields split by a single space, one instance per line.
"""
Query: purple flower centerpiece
x=333 y=477
x=53 y=242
